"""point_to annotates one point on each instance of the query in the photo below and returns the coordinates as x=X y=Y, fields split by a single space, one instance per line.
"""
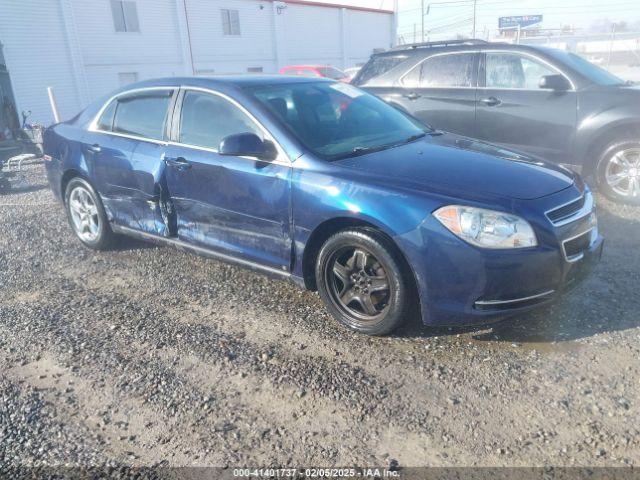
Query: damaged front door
x=238 y=205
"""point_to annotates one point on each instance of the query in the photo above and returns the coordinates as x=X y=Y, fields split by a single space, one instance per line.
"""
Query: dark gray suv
x=542 y=101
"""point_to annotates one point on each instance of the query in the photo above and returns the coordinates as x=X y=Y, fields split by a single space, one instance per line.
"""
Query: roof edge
x=315 y=3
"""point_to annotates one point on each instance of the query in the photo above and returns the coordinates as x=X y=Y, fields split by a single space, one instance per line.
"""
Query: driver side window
x=207 y=118
x=509 y=70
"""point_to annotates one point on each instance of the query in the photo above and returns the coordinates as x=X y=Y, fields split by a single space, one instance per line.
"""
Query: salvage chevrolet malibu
x=321 y=183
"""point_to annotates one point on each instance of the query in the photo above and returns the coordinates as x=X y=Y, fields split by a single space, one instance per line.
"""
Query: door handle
x=95 y=148
x=490 y=101
x=179 y=163
x=411 y=96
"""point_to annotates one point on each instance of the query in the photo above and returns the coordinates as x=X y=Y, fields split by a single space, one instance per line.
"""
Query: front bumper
x=463 y=285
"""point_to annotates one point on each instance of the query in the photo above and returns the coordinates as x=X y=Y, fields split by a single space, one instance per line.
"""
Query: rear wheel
x=360 y=279
x=619 y=172
x=87 y=216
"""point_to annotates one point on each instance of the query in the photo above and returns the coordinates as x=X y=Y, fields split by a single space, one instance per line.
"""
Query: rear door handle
x=411 y=96
x=179 y=163
x=490 y=101
x=95 y=148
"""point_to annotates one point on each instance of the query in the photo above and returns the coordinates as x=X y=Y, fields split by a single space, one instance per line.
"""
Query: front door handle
x=95 y=148
x=411 y=96
x=490 y=101
x=179 y=163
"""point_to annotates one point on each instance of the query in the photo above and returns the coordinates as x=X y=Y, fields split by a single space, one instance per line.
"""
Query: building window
x=125 y=78
x=125 y=16
x=230 y=22
x=255 y=70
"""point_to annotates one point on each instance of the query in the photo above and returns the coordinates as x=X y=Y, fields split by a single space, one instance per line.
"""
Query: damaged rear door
x=237 y=205
x=126 y=149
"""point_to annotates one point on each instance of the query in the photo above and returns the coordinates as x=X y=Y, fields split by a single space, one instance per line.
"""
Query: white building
x=85 y=48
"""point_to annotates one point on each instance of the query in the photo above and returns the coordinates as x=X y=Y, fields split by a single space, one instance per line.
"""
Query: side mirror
x=554 y=82
x=247 y=145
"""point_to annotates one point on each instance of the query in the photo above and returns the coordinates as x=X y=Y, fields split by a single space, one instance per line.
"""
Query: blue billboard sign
x=518 y=21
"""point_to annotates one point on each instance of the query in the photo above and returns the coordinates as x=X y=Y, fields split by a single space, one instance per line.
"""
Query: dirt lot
x=147 y=354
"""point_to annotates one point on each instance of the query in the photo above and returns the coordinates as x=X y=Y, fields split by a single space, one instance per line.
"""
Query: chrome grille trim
x=486 y=303
x=586 y=209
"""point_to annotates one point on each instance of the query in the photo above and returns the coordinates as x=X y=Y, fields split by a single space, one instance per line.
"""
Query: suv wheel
x=362 y=283
x=618 y=172
x=87 y=216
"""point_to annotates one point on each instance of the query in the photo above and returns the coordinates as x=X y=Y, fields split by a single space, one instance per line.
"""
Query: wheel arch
x=326 y=229
x=603 y=137
x=69 y=175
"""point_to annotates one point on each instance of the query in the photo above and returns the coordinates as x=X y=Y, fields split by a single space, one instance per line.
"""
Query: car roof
x=434 y=47
x=224 y=80
x=306 y=66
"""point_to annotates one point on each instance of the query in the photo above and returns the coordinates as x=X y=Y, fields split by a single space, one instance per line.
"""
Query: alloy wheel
x=84 y=214
x=358 y=284
x=623 y=172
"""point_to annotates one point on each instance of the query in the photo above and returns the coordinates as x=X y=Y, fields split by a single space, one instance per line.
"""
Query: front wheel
x=87 y=216
x=618 y=172
x=361 y=280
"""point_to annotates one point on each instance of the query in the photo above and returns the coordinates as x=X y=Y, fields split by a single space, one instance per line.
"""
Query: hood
x=460 y=164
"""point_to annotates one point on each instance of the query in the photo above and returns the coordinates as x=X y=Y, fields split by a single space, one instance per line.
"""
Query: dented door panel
x=237 y=205
x=147 y=177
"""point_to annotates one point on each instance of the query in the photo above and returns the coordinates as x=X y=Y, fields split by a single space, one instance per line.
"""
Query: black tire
x=377 y=258
x=5 y=185
x=102 y=237
x=610 y=165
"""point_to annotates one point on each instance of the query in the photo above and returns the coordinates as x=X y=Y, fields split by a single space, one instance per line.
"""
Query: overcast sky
x=448 y=17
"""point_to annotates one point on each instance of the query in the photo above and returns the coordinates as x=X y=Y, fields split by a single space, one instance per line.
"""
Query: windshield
x=332 y=72
x=596 y=74
x=335 y=120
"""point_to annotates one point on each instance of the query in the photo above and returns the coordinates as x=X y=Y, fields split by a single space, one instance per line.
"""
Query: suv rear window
x=377 y=66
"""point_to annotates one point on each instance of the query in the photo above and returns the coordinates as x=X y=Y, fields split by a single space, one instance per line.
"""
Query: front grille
x=565 y=212
x=575 y=247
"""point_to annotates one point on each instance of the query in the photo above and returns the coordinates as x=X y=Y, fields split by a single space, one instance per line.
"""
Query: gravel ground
x=144 y=355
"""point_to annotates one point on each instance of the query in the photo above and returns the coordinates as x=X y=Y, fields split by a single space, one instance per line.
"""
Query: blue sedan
x=323 y=184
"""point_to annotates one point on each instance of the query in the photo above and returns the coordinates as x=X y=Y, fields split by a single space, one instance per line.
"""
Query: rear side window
x=142 y=115
x=106 y=119
x=206 y=119
x=453 y=70
x=377 y=66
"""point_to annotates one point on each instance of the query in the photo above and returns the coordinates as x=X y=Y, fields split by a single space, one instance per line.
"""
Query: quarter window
x=142 y=115
x=125 y=16
x=230 y=22
x=454 y=70
x=206 y=119
x=508 y=70
x=106 y=119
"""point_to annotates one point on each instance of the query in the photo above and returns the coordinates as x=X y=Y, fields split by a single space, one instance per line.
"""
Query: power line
x=577 y=9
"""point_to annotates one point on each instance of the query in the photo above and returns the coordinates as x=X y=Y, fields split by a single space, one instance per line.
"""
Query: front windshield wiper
x=357 y=151
x=413 y=138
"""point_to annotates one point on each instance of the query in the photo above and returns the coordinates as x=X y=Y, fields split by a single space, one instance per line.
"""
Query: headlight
x=487 y=228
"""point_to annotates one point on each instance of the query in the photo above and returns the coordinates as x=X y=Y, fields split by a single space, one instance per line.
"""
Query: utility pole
x=473 y=35
x=422 y=8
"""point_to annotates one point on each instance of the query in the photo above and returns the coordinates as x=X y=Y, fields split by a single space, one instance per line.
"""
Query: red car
x=315 y=71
